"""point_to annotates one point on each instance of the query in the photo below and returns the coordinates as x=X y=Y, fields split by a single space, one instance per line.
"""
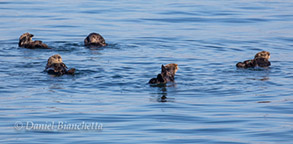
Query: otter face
x=172 y=67
x=25 y=39
x=56 y=66
x=263 y=54
x=54 y=60
x=94 y=39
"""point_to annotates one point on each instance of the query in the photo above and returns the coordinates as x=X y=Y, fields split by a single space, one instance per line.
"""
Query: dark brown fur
x=157 y=80
x=25 y=40
x=171 y=68
x=59 y=69
x=167 y=74
x=94 y=39
x=55 y=66
x=261 y=59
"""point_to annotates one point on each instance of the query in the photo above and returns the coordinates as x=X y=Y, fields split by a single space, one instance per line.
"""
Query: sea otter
x=172 y=68
x=94 y=40
x=56 y=66
x=25 y=40
x=261 y=59
x=167 y=74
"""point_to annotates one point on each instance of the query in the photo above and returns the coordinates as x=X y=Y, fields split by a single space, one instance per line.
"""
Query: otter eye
x=59 y=57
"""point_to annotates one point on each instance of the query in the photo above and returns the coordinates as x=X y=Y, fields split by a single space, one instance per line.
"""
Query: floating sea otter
x=56 y=66
x=167 y=74
x=94 y=40
x=261 y=59
x=25 y=40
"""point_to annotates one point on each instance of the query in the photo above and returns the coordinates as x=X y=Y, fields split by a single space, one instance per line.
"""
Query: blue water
x=211 y=101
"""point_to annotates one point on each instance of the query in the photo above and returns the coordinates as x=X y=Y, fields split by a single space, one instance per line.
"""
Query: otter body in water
x=56 y=66
x=25 y=40
x=94 y=40
x=261 y=59
x=167 y=74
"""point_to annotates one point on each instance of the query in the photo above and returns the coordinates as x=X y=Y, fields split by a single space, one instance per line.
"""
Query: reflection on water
x=162 y=93
x=262 y=79
x=264 y=102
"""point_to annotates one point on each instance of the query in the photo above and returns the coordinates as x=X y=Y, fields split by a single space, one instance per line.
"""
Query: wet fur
x=94 y=40
x=172 y=68
x=25 y=40
x=261 y=59
x=55 y=66
x=167 y=74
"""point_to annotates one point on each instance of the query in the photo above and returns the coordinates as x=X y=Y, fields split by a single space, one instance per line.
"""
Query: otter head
x=172 y=67
x=166 y=74
x=25 y=39
x=94 y=39
x=263 y=54
x=55 y=59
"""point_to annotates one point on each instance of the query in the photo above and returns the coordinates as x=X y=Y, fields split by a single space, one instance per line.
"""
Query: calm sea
x=109 y=100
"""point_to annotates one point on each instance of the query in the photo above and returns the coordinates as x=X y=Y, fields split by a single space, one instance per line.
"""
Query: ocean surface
x=211 y=101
